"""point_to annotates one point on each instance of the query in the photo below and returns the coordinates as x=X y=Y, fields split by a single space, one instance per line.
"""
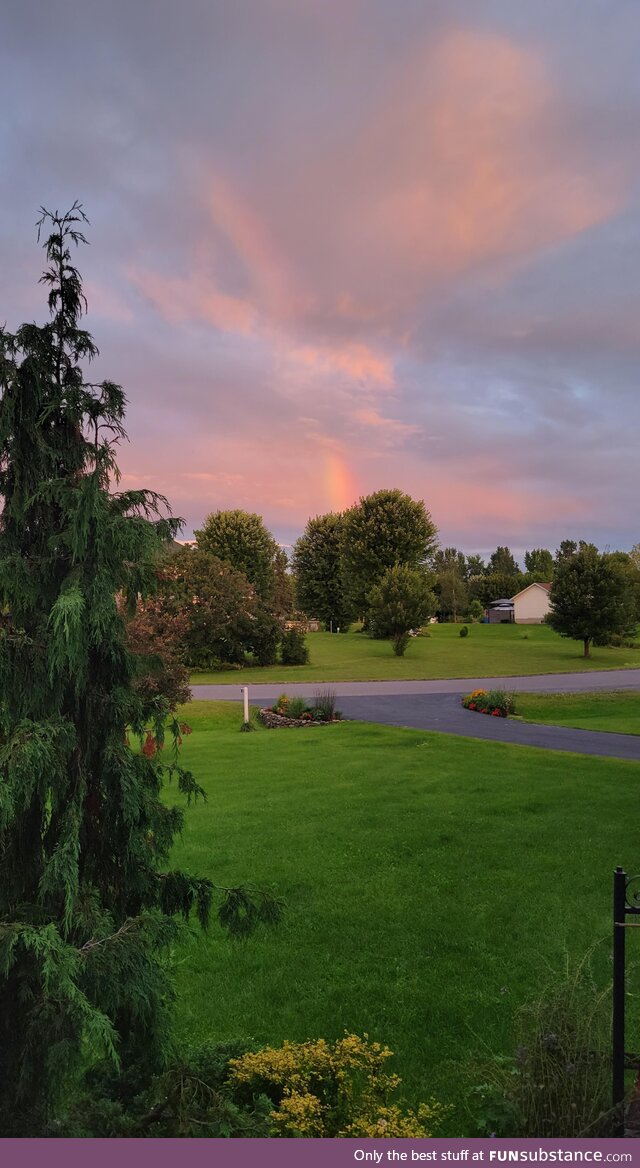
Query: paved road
x=435 y=705
x=539 y=683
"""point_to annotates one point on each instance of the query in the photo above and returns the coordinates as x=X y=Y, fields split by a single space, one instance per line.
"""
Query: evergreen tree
x=86 y=905
x=503 y=563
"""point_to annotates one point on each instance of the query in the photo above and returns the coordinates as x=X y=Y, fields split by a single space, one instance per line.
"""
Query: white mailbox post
x=245 y=701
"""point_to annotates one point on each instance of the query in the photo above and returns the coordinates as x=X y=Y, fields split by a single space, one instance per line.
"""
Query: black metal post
x=619 y=914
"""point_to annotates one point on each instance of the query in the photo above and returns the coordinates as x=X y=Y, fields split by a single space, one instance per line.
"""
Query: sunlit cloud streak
x=325 y=262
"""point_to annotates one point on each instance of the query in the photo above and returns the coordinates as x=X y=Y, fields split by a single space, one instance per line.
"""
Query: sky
x=345 y=245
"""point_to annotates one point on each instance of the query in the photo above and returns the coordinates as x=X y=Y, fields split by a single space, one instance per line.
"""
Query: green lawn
x=429 y=880
x=489 y=650
x=615 y=711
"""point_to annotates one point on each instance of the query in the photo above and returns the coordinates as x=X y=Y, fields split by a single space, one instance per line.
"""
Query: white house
x=532 y=604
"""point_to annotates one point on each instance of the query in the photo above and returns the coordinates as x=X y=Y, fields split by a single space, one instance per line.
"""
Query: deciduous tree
x=539 y=564
x=400 y=602
x=241 y=540
x=591 y=598
x=223 y=612
x=316 y=563
x=385 y=529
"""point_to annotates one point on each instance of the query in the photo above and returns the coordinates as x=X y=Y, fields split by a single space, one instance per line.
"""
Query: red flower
x=497 y=713
x=471 y=706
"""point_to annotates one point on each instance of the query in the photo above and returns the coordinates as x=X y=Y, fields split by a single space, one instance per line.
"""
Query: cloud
x=340 y=247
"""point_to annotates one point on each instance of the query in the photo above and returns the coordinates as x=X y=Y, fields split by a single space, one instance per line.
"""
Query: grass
x=616 y=711
x=430 y=882
x=488 y=651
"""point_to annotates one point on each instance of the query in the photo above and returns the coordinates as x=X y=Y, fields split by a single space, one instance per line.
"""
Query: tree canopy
x=539 y=564
x=502 y=562
x=385 y=529
x=241 y=540
x=87 y=902
x=591 y=598
x=401 y=601
x=316 y=565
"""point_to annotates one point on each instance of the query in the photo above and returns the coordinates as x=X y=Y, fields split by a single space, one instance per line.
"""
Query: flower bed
x=288 y=711
x=495 y=702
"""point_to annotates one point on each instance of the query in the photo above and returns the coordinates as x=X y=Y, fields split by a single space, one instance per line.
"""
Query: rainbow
x=341 y=487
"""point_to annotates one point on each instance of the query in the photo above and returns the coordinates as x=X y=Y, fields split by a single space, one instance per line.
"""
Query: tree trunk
x=586 y=646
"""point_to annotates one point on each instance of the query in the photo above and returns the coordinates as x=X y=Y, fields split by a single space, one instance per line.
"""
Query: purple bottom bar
x=170 y=1153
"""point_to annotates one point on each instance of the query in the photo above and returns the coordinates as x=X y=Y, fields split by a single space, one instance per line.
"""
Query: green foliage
x=191 y=1098
x=449 y=560
x=283 y=603
x=559 y=1082
x=494 y=586
x=296 y=707
x=452 y=594
x=475 y=610
x=475 y=566
x=218 y=603
x=495 y=702
x=265 y=636
x=591 y=598
x=242 y=541
x=320 y=591
x=294 y=650
x=87 y=910
x=539 y=564
x=383 y=530
x=400 y=602
x=319 y=1089
x=503 y=563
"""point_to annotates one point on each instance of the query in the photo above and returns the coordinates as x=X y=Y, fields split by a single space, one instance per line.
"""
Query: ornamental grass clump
x=559 y=1081
x=495 y=702
x=323 y=1089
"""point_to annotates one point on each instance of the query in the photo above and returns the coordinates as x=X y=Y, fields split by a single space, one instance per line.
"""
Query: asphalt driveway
x=435 y=705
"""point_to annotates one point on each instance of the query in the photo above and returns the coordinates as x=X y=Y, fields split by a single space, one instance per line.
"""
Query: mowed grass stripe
x=615 y=711
x=488 y=651
x=430 y=883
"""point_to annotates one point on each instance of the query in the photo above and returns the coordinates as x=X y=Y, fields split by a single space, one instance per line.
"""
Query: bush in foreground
x=298 y=1090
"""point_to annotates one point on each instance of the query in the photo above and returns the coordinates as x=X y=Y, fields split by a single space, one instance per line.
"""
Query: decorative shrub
x=323 y=1089
x=495 y=702
x=288 y=711
x=296 y=707
x=294 y=650
x=464 y=632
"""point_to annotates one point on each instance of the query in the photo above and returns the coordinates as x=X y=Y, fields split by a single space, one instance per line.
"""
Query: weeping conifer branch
x=87 y=909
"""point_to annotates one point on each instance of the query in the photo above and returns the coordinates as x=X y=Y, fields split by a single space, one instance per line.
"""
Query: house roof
x=536 y=584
